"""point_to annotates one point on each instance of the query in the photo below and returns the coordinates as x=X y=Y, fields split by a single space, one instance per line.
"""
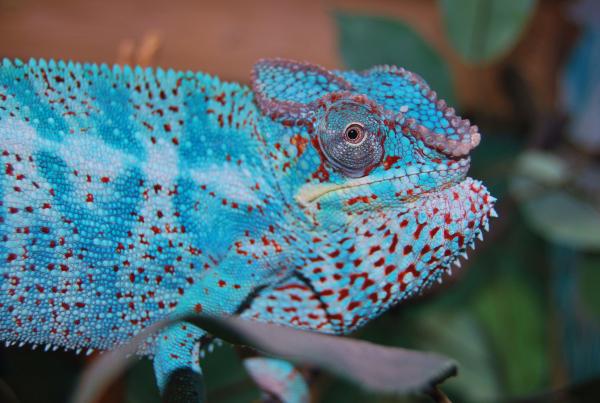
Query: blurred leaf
x=545 y=168
x=366 y=41
x=459 y=333
x=377 y=368
x=482 y=30
x=581 y=91
x=560 y=217
x=559 y=213
x=515 y=322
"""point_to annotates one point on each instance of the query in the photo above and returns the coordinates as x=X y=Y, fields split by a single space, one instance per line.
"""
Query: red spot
x=343 y=294
x=105 y=179
x=389 y=161
x=222 y=283
x=417 y=233
x=394 y=243
x=358 y=199
x=353 y=305
x=407 y=249
x=448 y=219
x=89 y=198
x=368 y=282
x=300 y=143
x=221 y=98
x=335 y=253
x=374 y=249
x=11 y=257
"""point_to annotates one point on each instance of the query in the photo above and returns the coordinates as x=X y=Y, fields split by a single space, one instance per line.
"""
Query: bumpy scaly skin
x=127 y=195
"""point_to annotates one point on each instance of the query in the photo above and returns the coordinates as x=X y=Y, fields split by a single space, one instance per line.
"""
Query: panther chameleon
x=314 y=198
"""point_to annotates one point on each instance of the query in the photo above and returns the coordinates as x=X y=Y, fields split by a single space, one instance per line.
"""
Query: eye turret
x=350 y=138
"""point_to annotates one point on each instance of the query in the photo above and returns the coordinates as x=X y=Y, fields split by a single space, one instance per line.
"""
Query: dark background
x=522 y=317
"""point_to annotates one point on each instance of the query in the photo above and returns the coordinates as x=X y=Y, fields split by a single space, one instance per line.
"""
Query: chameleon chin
x=314 y=199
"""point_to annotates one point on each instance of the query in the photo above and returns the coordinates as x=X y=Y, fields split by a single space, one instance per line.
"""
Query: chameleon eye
x=349 y=136
x=354 y=133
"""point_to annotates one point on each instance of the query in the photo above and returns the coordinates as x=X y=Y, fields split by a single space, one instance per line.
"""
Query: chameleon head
x=376 y=158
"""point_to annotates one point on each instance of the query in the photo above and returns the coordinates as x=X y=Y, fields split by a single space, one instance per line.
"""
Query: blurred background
x=522 y=318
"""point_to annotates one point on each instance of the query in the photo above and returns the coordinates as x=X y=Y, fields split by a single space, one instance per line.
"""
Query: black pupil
x=352 y=134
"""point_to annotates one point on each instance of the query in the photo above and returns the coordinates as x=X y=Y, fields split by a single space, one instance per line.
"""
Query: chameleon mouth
x=312 y=193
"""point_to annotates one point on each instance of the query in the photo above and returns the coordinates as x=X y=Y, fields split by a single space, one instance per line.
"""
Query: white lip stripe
x=311 y=192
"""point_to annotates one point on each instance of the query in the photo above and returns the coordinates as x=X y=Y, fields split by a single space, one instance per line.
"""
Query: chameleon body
x=314 y=199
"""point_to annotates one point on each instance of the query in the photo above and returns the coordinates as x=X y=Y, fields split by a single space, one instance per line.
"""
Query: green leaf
x=517 y=331
x=562 y=218
x=482 y=30
x=458 y=333
x=365 y=41
x=543 y=167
